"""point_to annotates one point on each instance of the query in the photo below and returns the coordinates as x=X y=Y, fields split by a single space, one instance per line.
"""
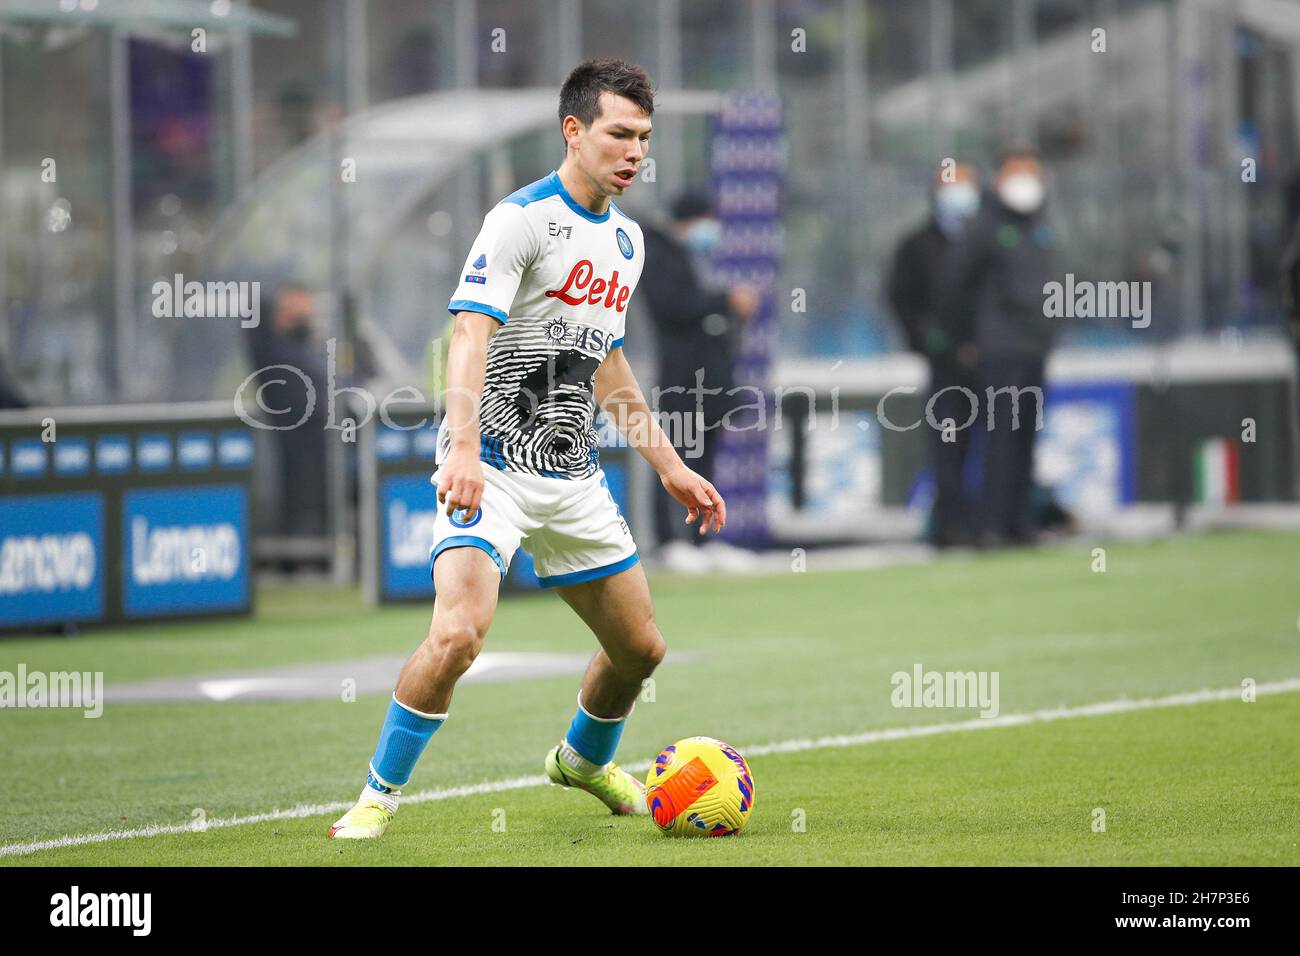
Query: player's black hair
x=580 y=95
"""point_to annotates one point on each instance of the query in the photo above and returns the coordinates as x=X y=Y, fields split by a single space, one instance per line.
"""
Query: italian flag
x=1217 y=472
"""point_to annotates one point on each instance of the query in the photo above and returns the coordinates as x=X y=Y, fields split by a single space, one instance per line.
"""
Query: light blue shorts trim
x=591 y=574
x=467 y=541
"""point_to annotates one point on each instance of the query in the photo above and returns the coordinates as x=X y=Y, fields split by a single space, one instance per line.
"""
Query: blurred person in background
x=290 y=346
x=1290 y=267
x=1006 y=260
x=10 y=396
x=938 y=325
x=696 y=328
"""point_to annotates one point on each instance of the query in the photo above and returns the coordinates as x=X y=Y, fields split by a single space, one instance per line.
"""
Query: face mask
x=702 y=237
x=1021 y=192
x=956 y=201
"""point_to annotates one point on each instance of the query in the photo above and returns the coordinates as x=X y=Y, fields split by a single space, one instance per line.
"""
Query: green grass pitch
x=777 y=658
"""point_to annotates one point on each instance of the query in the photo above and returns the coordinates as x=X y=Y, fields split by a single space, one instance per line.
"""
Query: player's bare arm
x=618 y=393
x=460 y=479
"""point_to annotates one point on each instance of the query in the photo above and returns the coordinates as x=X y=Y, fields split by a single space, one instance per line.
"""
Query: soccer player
x=540 y=312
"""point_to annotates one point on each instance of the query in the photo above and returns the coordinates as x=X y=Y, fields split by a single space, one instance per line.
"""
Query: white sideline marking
x=786 y=746
x=231 y=688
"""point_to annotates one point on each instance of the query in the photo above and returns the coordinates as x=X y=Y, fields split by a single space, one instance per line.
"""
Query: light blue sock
x=594 y=738
x=401 y=741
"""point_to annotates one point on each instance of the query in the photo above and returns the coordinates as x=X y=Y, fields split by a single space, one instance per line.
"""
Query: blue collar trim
x=573 y=204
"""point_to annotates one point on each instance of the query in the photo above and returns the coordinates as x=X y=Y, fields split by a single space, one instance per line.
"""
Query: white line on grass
x=785 y=746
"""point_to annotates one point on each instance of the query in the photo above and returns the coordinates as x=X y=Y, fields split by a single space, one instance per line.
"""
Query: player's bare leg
x=466 y=580
x=620 y=613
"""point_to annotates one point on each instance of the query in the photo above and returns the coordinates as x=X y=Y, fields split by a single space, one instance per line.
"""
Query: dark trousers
x=304 y=493
x=1009 y=453
x=952 y=520
x=670 y=514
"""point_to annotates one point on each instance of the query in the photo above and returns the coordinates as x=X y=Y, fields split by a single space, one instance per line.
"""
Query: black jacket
x=1291 y=285
x=680 y=308
x=1005 y=262
x=935 y=322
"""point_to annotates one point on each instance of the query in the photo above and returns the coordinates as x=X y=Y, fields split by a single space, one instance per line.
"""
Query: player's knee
x=646 y=652
x=456 y=643
x=657 y=648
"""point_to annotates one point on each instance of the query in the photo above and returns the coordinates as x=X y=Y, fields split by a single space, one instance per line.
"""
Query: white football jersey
x=558 y=278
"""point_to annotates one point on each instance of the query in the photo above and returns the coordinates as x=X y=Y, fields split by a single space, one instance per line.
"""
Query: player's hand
x=701 y=499
x=460 y=482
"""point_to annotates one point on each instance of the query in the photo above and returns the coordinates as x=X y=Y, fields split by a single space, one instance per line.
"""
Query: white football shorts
x=571 y=527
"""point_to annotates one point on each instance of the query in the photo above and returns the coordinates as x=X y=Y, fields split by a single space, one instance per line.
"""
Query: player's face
x=611 y=152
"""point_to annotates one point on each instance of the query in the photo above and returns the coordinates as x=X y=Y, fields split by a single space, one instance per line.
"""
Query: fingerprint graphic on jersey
x=554 y=401
x=538 y=401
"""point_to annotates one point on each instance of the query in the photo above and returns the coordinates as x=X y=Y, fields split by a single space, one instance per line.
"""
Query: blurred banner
x=122 y=514
x=748 y=154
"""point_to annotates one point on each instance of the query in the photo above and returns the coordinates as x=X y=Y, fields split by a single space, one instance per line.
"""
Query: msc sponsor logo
x=579 y=336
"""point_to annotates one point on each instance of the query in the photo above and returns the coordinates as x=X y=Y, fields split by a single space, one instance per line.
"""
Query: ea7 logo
x=103 y=909
x=556 y=229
